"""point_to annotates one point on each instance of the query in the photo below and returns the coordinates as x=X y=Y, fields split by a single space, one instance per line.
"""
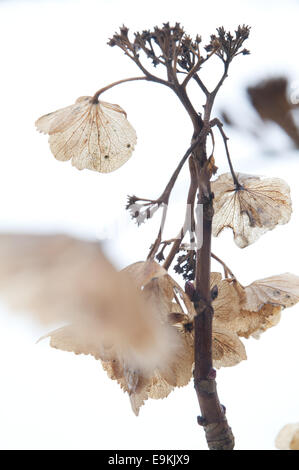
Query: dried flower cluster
x=229 y=46
x=144 y=335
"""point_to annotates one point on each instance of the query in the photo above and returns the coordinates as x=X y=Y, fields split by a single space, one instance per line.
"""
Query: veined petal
x=96 y=136
x=258 y=205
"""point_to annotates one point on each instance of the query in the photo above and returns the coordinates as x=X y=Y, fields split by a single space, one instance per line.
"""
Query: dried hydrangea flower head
x=92 y=134
x=250 y=208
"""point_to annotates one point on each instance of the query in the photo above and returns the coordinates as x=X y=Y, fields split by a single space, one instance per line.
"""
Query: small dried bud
x=131 y=200
x=186 y=265
x=214 y=292
x=142 y=211
x=160 y=256
x=188 y=327
x=189 y=289
x=212 y=374
x=201 y=421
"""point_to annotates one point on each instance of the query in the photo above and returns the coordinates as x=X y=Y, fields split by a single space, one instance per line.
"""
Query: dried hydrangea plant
x=166 y=334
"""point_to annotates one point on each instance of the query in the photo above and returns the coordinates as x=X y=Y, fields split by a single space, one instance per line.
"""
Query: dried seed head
x=228 y=46
x=186 y=265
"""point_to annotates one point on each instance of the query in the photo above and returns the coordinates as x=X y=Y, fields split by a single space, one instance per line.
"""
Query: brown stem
x=218 y=433
x=201 y=84
x=157 y=243
x=95 y=98
x=219 y=124
x=227 y=271
x=167 y=191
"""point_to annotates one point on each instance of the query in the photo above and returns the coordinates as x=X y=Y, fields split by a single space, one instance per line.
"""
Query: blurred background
x=52 y=52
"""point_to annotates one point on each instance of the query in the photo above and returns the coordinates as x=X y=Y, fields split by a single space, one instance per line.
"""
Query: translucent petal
x=253 y=209
x=280 y=290
x=261 y=303
x=94 y=136
x=227 y=303
x=228 y=350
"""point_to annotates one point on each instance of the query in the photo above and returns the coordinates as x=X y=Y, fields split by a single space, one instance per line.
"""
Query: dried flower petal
x=96 y=136
x=258 y=205
x=137 y=322
x=142 y=272
x=228 y=350
x=255 y=323
x=280 y=290
x=56 y=278
x=68 y=280
x=261 y=303
x=227 y=304
x=288 y=437
x=174 y=370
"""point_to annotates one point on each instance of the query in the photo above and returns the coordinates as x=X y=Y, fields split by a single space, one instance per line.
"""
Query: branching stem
x=179 y=49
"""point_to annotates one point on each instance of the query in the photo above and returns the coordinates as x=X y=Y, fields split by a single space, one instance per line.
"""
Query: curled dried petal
x=280 y=290
x=255 y=323
x=253 y=208
x=96 y=136
x=261 y=303
x=288 y=437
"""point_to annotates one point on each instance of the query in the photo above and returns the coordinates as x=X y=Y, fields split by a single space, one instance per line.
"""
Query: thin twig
x=219 y=125
x=190 y=204
x=201 y=84
x=95 y=97
x=227 y=271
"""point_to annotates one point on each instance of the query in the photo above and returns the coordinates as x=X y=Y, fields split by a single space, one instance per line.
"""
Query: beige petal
x=227 y=304
x=132 y=382
x=255 y=323
x=258 y=206
x=60 y=120
x=288 y=437
x=143 y=271
x=159 y=388
x=228 y=350
x=164 y=293
x=78 y=339
x=261 y=303
x=94 y=136
x=56 y=278
x=280 y=290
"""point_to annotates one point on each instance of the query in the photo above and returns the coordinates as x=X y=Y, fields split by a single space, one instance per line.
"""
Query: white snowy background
x=54 y=51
